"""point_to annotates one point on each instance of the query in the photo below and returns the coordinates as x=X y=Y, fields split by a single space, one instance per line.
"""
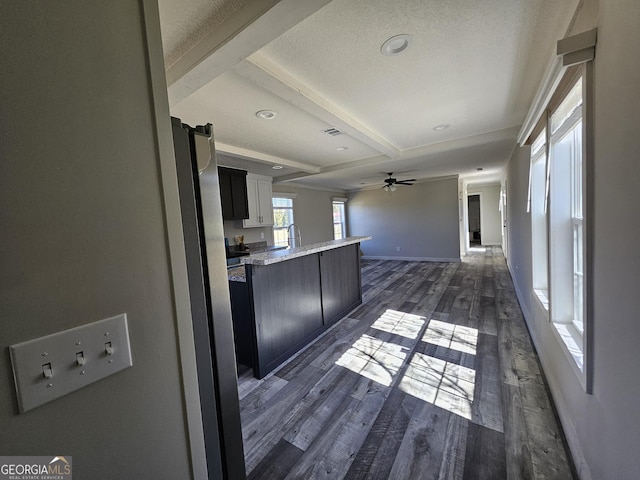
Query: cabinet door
x=266 y=203
x=239 y=197
x=252 y=201
x=260 y=203
x=226 y=196
x=233 y=193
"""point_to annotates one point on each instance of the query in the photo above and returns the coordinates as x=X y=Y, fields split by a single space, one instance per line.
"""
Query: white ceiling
x=473 y=65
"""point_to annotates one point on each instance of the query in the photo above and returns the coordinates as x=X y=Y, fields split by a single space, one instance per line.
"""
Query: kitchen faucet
x=291 y=233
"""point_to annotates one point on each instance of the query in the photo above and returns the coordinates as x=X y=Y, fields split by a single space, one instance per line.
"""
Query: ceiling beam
x=265 y=158
x=456 y=144
x=427 y=150
x=261 y=71
x=257 y=23
x=411 y=154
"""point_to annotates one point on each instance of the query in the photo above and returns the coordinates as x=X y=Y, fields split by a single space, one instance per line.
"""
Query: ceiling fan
x=390 y=183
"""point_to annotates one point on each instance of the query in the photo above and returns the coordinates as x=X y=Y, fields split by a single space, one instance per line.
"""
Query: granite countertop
x=275 y=256
x=237 y=274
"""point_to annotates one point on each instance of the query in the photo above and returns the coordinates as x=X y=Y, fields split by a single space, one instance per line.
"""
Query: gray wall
x=422 y=220
x=83 y=234
x=251 y=235
x=603 y=428
x=312 y=212
x=489 y=213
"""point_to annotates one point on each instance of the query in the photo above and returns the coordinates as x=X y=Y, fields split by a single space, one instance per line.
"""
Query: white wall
x=83 y=234
x=490 y=222
x=603 y=429
x=421 y=220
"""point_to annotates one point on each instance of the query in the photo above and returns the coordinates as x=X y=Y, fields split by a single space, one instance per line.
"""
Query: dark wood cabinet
x=287 y=309
x=233 y=193
x=285 y=305
x=243 y=317
x=340 y=279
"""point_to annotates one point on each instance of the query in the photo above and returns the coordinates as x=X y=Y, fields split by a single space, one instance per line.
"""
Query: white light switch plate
x=77 y=357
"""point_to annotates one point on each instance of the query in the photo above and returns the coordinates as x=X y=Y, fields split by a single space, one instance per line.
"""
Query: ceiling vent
x=334 y=132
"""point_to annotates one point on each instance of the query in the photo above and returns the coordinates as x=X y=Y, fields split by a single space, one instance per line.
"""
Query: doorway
x=473 y=212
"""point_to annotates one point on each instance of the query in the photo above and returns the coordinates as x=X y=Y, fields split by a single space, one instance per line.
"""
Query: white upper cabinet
x=259 y=199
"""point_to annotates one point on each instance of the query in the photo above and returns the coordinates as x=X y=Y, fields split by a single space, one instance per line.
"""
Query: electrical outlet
x=261 y=235
x=397 y=249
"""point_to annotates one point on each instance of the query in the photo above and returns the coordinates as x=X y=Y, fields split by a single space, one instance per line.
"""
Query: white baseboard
x=411 y=259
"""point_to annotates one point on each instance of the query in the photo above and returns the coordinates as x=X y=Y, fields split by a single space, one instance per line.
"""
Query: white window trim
x=343 y=201
x=283 y=195
x=290 y=196
x=540 y=294
x=575 y=49
x=578 y=49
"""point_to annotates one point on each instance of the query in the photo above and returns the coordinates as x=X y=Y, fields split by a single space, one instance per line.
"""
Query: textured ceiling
x=473 y=65
x=451 y=70
x=230 y=103
x=185 y=22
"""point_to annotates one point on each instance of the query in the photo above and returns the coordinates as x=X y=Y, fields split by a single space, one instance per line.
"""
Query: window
x=566 y=211
x=339 y=230
x=282 y=218
x=556 y=204
x=559 y=128
x=538 y=209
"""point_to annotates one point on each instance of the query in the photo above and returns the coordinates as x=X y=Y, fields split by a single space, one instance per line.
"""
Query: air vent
x=334 y=132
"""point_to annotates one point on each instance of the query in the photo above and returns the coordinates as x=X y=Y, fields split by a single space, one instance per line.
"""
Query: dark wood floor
x=433 y=377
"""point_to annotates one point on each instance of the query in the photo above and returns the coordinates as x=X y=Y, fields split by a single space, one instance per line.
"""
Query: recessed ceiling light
x=396 y=44
x=277 y=167
x=442 y=126
x=266 y=114
x=342 y=149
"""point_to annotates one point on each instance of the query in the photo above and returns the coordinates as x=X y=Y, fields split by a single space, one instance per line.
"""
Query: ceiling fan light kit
x=390 y=183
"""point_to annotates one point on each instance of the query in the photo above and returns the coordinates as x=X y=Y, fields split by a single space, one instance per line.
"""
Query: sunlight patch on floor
x=444 y=384
x=399 y=323
x=374 y=359
x=455 y=337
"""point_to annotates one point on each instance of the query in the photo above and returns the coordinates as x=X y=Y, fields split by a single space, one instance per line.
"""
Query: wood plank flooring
x=434 y=376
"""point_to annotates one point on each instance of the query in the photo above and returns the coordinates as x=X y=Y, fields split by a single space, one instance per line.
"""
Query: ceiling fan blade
x=405 y=182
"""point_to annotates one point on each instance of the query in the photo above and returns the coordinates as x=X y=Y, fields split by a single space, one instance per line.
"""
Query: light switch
x=80 y=360
x=105 y=351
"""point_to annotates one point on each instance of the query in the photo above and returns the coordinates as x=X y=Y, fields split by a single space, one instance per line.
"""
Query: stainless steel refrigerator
x=210 y=304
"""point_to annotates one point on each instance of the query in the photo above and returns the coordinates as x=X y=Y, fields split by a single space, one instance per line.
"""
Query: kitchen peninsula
x=283 y=299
